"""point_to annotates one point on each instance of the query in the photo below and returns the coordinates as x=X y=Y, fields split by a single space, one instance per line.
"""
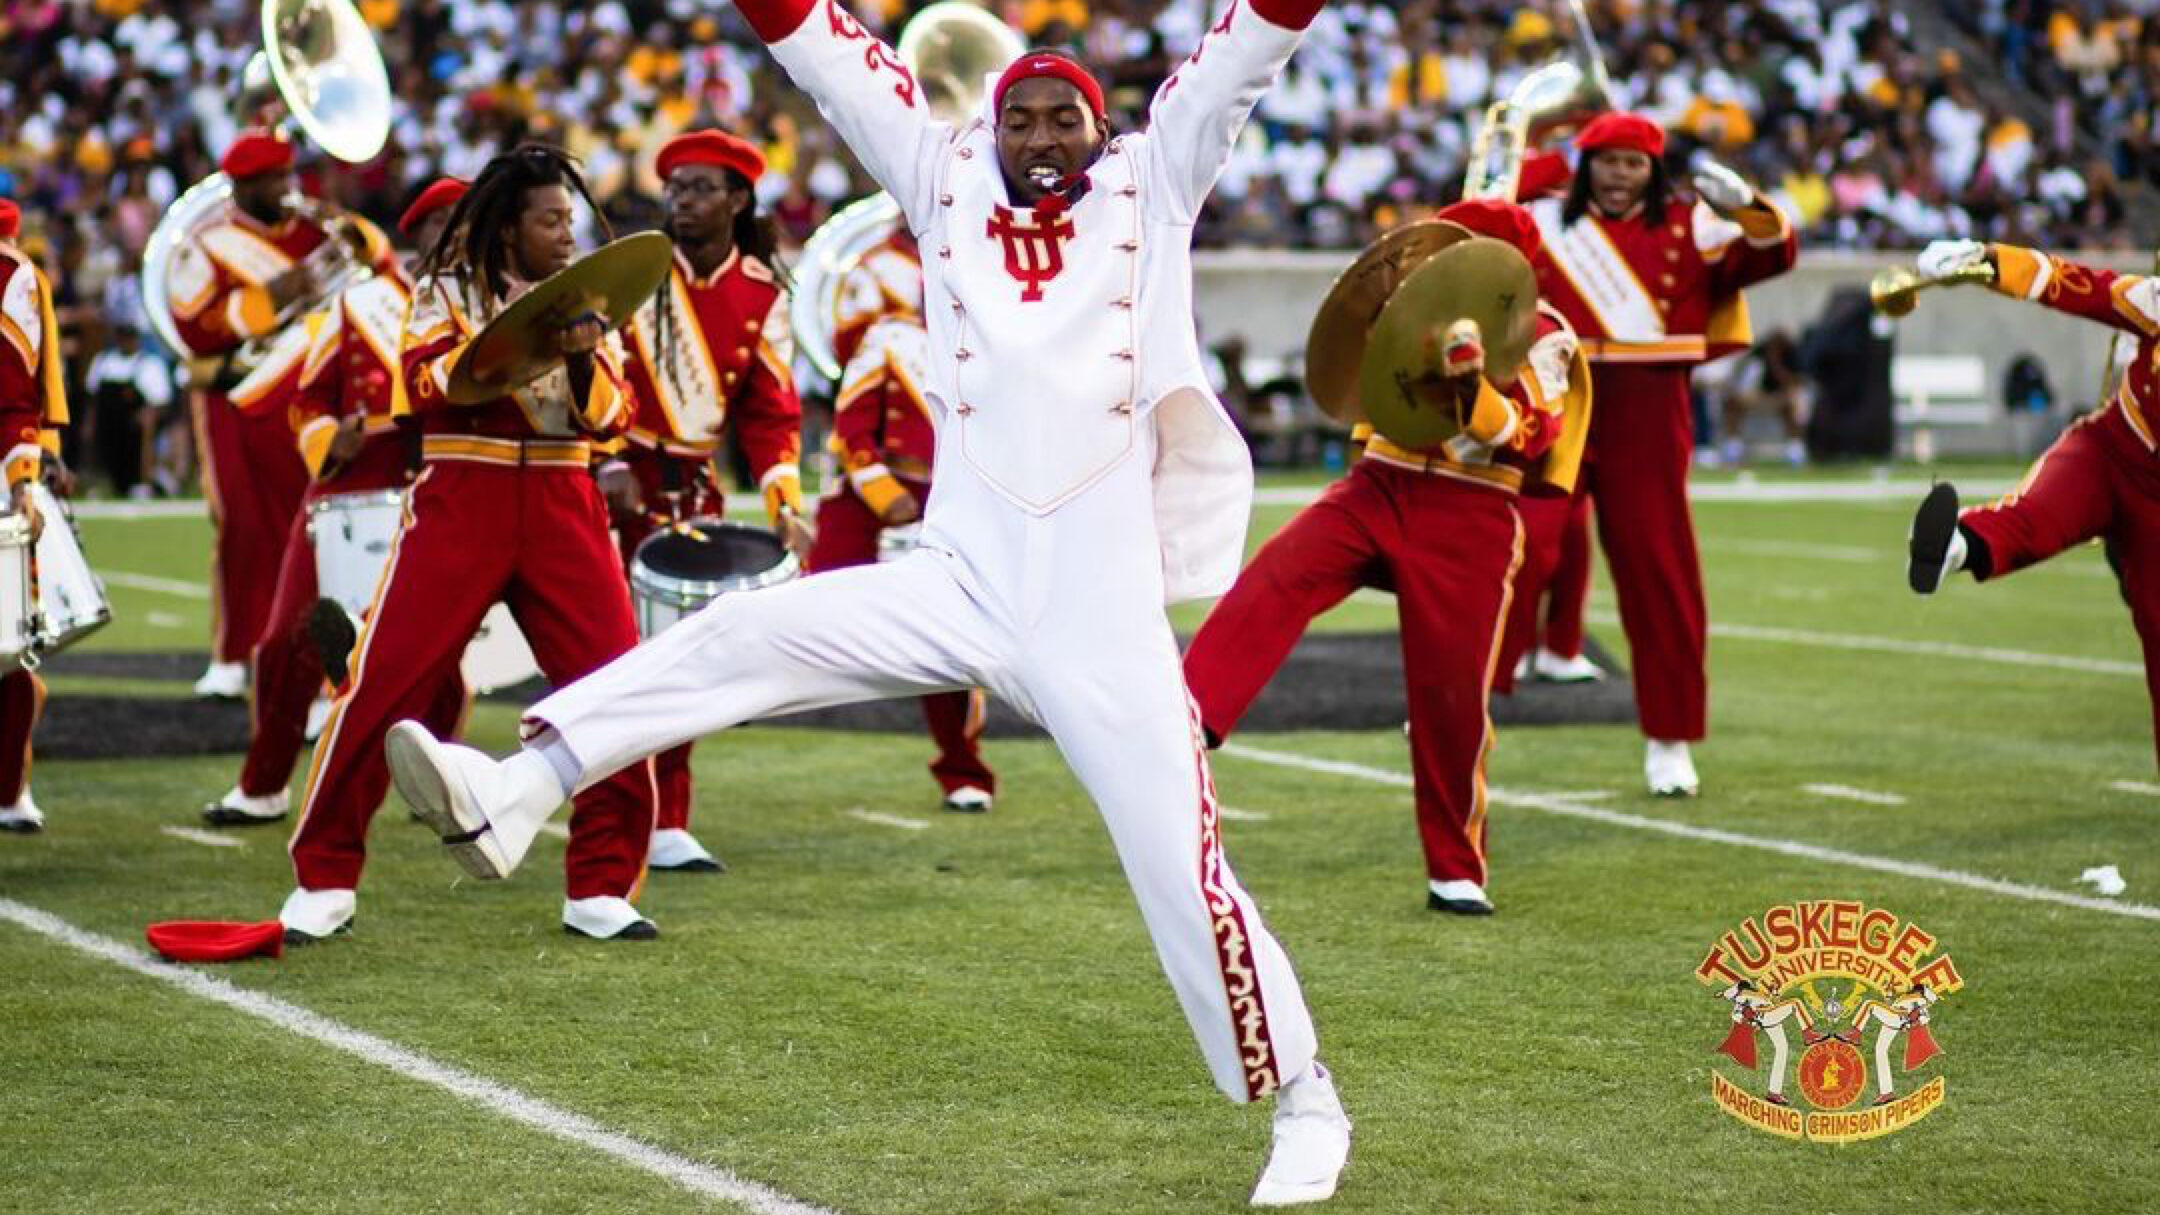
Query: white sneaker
x=315 y=915
x=1459 y=896
x=237 y=809
x=223 y=681
x=486 y=812
x=1579 y=669
x=675 y=850
x=1523 y=667
x=1670 y=770
x=606 y=918
x=318 y=716
x=1312 y=1143
x=22 y=818
x=967 y=799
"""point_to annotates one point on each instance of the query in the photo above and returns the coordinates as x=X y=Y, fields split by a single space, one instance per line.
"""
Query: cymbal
x=1477 y=278
x=1336 y=344
x=515 y=348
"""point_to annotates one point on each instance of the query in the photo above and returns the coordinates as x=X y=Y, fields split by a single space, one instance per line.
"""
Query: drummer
x=712 y=348
x=342 y=414
x=33 y=403
x=504 y=509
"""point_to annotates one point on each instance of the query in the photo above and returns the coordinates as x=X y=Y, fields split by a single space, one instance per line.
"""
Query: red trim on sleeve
x=1289 y=14
x=774 y=20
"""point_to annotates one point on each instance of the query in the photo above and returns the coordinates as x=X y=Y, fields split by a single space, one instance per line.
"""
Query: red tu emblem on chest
x=1034 y=251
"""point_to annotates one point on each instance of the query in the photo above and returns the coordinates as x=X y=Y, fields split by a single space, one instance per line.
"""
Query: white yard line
x=887 y=820
x=1849 y=794
x=2135 y=786
x=557 y=830
x=171 y=508
x=532 y=1112
x=1868 y=490
x=1793 y=548
x=1900 y=645
x=1712 y=835
x=151 y=582
x=196 y=835
x=1242 y=816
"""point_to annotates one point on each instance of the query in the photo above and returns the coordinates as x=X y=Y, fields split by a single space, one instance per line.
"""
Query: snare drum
x=353 y=535
x=18 y=622
x=71 y=602
x=679 y=569
x=894 y=543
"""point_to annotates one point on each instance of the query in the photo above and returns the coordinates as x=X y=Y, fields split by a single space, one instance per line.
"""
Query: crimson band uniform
x=33 y=401
x=705 y=353
x=1652 y=297
x=886 y=442
x=2101 y=478
x=504 y=509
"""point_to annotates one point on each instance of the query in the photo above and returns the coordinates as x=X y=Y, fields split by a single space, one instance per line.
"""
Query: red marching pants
x=847 y=534
x=1449 y=549
x=674 y=487
x=534 y=537
x=22 y=701
x=1555 y=576
x=1641 y=443
x=254 y=479
x=2099 y=479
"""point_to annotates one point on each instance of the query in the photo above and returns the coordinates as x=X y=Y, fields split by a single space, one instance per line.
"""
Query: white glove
x=1943 y=258
x=1722 y=188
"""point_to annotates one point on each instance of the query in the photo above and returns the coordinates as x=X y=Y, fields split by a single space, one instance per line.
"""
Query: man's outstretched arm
x=1198 y=112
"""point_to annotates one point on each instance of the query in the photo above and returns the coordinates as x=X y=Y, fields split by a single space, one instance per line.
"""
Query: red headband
x=711 y=148
x=1036 y=65
x=10 y=219
x=1499 y=220
x=256 y=153
x=1628 y=132
x=442 y=192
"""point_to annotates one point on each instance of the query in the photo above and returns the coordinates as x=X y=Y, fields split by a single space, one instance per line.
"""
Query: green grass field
x=968 y=1017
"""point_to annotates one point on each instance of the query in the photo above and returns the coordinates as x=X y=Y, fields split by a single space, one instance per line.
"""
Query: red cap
x=1629 y=132
x=712 y=148
x=442 y=192
x=216 y=940
x=1037 y=64
x=256 y=153
x=10 y=219
x=1499 y=220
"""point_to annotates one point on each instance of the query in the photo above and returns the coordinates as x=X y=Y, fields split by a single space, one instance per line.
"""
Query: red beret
x=216 y=940
x=1630 y=132
x=10 y=219
x=712 y=148
x=1037 y=64
x=1499 y=220
x=442 y=192
x=256 y=153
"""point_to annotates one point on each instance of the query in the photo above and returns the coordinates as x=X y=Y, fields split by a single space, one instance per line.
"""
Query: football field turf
x=885 y=1008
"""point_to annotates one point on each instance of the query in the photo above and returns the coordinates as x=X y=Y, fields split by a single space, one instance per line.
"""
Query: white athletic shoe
x=315 y=915
x=1459 y=896
x=486 y=812
x=1579 y=669
x=22 y=818
x=1670 y=770
x=967 y=799
x=223 y=681
x=237 y=809
x=675 y=850
x=606 y=918
x=318 y=716
x=1312 y=1143
x=1524 y=669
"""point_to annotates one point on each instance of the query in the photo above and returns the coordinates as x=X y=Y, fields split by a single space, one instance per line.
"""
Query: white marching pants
x=1087 y=653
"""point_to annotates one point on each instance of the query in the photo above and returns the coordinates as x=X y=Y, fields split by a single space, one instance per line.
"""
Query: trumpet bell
x=323 y=60
x=1894 y=292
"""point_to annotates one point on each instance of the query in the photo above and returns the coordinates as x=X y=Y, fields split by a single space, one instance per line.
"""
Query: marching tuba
x=319 y=60
x=1561 y=93
x=953 y=48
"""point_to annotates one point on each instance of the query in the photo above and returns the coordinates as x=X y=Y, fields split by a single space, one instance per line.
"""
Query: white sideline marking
x=555 y=829
x=171 y=508
x=1869 y=490
x=196 y=835
x=1792 y=548
x=1585 y=795
x=500 y=1098
x=151 y=582
x=1242 y=816
x=1712 y=835
x=1899 y=645
x=2135 y=786
x=887 y=820
x=1850 y=794
x=162 y=620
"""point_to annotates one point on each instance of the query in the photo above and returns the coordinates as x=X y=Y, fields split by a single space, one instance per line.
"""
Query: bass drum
x=680 y=569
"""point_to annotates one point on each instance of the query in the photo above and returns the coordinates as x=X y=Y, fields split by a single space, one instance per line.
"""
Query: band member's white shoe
x=1459 y=896
x=1670 y=770
x=968 y=799
x=606 y=918
x=1312 y=1143
x=1524 y=669
x=1555 y=669
x=315 y=915
x=677 y=851
x=318 y=716
x=22 y=818
x=237 y=809
x=1935 y=547
x=487 y=813
x=223 y=681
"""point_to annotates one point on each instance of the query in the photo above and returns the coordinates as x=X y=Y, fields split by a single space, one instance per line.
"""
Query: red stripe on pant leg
x=1233 y=942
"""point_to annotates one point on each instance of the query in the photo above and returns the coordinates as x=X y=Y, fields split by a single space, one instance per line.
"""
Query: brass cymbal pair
x=518 y=346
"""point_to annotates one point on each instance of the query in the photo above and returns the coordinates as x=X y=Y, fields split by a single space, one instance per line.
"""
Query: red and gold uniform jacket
x=33 y=393
x=704 y=352
x=352 y=370
x=882 y=424
x=1663 y=289
x=219 y=282
x=543 y=423
x=1529 y=434
x=2130 y=302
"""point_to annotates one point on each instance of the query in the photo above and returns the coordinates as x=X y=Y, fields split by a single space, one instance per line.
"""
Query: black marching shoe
x=1934 y=535
x=330 y=630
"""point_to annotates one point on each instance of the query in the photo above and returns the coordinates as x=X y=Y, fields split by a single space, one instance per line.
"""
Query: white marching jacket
x=1054 y=339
